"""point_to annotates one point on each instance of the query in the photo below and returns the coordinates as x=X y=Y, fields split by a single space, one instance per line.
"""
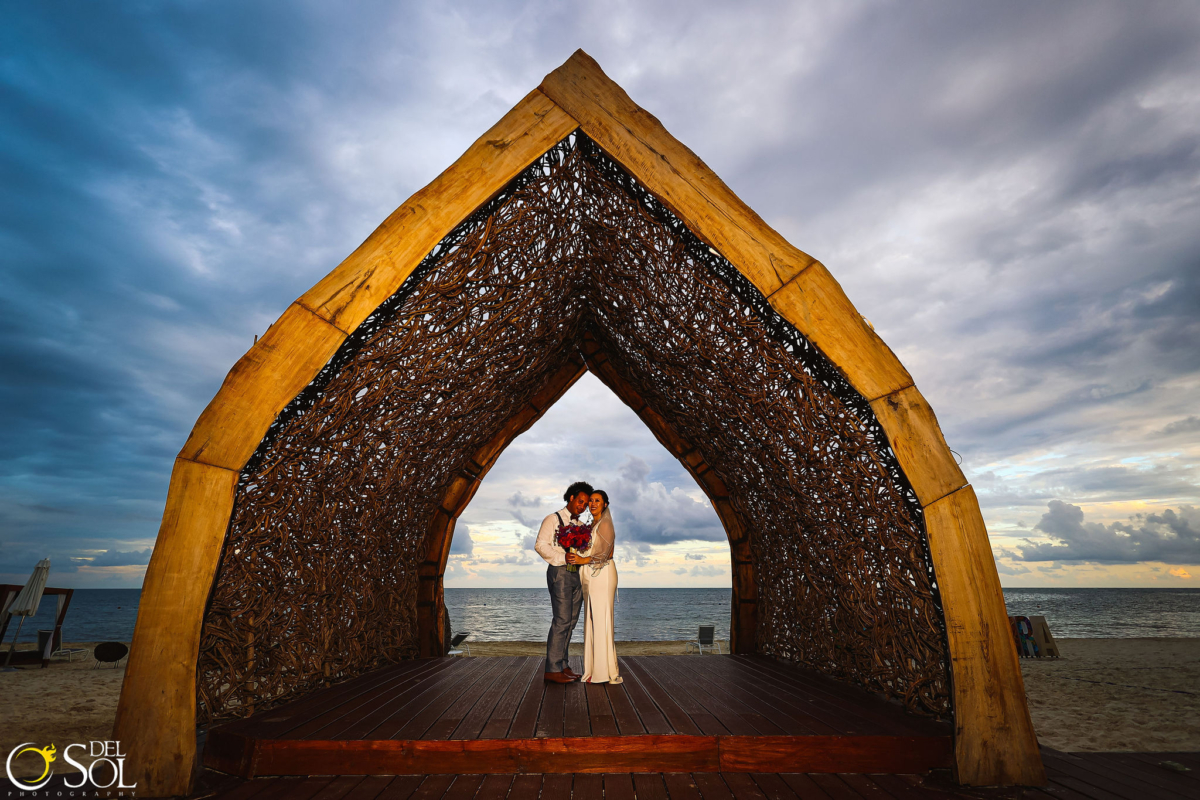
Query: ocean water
x=640 y=614
x=1111 y=613
x=672 y=614
x=95 y=615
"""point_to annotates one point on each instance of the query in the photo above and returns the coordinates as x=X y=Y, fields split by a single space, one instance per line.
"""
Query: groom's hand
x=572 y=558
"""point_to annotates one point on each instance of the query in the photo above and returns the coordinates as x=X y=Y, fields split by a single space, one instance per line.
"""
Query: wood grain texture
x=374 y=271
x=833 y=753
x=156 y=714
x=504 y=756
x=814 y=302
x=597 y=754
x=285 y=360
x=672 y=753
x=994 y=740
x=917 y=440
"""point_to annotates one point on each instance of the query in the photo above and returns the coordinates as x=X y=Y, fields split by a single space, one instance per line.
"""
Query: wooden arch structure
x=310 y=512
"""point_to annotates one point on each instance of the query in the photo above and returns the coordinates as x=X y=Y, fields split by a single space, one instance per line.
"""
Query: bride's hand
x=574 y=559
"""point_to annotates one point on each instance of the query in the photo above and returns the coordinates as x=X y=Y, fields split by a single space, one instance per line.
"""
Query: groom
x=566 y=593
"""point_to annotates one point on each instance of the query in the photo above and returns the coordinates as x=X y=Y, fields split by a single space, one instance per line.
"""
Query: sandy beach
x=1117 y=694
x=64 y=703
x=1102 y=695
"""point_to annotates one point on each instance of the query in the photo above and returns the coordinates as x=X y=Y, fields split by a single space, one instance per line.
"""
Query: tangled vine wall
x=318 y=577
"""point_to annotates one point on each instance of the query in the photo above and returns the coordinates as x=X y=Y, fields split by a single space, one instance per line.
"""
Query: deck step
x=497 y=716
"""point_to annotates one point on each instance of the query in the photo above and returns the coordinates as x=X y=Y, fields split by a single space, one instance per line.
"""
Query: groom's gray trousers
x=566 y=596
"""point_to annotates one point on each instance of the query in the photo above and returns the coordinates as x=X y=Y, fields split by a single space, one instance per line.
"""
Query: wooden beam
x=498 y=756
x=249 y=758
x=814 y=302
x=285 y=360
x=156 y=715
x=916 y=438
x=869 y=754
x=373 y=272
x=994 y=740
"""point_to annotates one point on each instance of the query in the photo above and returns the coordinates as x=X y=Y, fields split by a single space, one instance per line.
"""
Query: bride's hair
x=603 y=494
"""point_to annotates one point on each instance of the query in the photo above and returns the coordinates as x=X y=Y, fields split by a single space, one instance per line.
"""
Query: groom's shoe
x=558 y=677
x=572 y=674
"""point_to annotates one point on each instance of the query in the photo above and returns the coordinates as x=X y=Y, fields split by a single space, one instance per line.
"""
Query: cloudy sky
x=1008 y=191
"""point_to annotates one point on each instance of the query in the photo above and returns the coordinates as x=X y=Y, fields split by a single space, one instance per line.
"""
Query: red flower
x=574 y=536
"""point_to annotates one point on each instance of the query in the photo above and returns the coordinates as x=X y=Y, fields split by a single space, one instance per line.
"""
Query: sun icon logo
x=47 y=755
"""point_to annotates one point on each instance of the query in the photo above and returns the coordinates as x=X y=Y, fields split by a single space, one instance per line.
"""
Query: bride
x=599 y=579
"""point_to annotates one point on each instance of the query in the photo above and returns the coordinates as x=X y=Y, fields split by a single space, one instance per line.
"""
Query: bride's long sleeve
x=603 y=542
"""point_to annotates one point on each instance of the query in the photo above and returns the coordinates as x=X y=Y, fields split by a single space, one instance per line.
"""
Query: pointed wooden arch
x=994 y=738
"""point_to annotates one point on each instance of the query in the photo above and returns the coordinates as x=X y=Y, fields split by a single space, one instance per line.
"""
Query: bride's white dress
x=599 y=579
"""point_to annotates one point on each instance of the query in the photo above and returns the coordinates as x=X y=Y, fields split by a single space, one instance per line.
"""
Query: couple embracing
x=573 y=577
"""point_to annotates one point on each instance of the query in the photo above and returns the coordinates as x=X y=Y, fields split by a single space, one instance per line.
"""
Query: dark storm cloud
x=1181 y=427
x=648 y=512
x=1171 y=536
x=462 y=544
x=519 y=500
x=1005 y=190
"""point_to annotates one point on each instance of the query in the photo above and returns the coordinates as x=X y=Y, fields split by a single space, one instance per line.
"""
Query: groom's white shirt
x=546 y=544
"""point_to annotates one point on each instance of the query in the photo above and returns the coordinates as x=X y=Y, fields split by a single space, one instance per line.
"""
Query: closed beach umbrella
x=27 y=602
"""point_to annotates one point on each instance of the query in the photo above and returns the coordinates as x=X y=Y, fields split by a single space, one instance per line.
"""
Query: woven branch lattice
x=318 y=577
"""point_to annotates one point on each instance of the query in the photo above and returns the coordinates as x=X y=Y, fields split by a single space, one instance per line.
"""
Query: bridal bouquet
x=573 y=538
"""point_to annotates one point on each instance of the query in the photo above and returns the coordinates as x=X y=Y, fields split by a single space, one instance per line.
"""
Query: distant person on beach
x=566 y=592
x=599 y=579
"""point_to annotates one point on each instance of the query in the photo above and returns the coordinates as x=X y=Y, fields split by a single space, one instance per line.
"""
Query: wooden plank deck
x=678 y=714
x=1075 y=776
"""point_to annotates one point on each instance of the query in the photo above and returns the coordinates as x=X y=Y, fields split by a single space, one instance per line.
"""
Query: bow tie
x=574 y=517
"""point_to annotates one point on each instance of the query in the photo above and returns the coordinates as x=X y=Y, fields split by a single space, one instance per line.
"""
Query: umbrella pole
x=13 y=646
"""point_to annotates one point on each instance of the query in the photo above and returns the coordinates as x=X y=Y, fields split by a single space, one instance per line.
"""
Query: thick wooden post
x=156 y=715
x=994 y=740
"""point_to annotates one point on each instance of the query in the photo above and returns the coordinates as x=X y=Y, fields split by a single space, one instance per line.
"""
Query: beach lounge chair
x=50 y=644
x=459 y=640
x=69 y=652
x=705 y=639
